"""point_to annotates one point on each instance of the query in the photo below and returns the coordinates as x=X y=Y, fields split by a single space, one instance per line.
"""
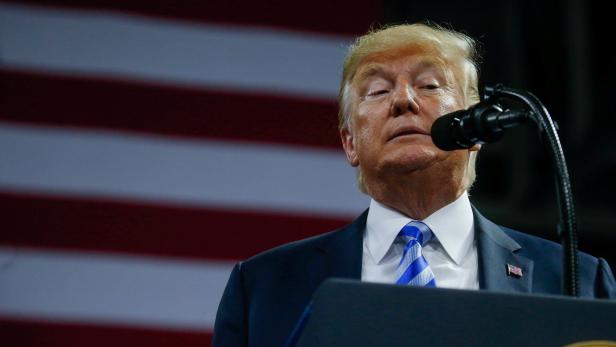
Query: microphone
x=481 y=123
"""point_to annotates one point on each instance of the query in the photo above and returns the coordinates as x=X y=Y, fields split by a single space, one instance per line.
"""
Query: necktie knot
x=416 y=230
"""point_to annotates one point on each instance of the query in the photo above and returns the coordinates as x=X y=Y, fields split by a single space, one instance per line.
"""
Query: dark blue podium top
x=352 y=313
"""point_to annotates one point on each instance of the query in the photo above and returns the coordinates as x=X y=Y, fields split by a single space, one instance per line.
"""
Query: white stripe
x=410 y=256
x=219 y=174
x=422 y=278
x=90 y=288
x=106 y=43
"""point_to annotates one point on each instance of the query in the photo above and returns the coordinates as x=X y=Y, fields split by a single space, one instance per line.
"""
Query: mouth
x=408 y=131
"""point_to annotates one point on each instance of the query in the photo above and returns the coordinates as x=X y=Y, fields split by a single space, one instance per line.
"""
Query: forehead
x=409 y=58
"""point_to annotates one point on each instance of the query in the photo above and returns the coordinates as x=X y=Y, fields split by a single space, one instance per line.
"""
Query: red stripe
x=68 y=101
x=35 y=333
x=345 y=17
x=149 y=229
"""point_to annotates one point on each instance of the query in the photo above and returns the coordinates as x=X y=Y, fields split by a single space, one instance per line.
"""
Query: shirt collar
x=452 y=225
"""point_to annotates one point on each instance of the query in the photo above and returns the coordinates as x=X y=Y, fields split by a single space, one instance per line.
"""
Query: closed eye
x=378 y=92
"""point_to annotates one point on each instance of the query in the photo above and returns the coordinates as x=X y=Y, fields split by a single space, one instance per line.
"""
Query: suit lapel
x=497 y=252
x=341 y=256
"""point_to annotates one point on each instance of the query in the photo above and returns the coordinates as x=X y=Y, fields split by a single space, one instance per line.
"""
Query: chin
x=411 y=159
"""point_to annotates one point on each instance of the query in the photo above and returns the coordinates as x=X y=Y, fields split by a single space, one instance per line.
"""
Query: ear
x=349 y=146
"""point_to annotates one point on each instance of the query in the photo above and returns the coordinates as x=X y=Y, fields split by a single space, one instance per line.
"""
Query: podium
x=352 y=313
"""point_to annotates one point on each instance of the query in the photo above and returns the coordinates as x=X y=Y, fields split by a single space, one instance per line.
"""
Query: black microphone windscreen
x=443 y=134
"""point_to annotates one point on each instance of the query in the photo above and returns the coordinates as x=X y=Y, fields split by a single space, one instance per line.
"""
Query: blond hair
x=458 y=51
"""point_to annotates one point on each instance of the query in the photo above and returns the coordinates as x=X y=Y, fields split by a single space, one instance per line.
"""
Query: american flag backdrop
x=147 y=147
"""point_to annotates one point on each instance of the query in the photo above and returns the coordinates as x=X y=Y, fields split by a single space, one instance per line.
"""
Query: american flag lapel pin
x=514 y=271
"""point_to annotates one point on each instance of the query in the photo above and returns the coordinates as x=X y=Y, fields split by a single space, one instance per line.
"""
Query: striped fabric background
x=146 y=148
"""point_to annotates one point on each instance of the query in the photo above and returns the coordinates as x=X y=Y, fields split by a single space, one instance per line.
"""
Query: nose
x=403 y=101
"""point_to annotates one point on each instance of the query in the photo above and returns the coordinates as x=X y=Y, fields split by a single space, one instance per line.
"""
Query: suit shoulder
x=294 y=247
x=525 y=239
x=296 y=252
x=539 y=245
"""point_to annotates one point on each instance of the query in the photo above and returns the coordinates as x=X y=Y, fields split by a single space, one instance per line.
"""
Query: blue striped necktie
x=413 y=268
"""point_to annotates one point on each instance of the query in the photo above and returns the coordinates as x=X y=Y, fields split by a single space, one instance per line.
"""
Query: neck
x=417 y=194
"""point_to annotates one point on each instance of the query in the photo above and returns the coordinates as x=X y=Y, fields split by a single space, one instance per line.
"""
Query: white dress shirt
x=452 y=253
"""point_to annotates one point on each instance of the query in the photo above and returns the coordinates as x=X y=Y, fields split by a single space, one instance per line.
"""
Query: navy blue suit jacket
x=266 y=295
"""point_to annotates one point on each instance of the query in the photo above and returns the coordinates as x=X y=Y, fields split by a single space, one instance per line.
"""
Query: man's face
x=397 y=97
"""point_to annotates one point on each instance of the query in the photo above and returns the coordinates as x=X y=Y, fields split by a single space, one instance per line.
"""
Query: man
x=420 y=228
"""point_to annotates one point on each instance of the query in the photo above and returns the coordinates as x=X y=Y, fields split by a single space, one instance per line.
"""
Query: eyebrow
x=431 y=63
x=372 y=69
x=442 y=68
x=427 y=62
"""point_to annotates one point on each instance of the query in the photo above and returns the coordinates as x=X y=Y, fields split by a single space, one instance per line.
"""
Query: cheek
x=364 y=136
x=370 y=109
x=367 y=118
x=447 y=104
x=366 y=127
